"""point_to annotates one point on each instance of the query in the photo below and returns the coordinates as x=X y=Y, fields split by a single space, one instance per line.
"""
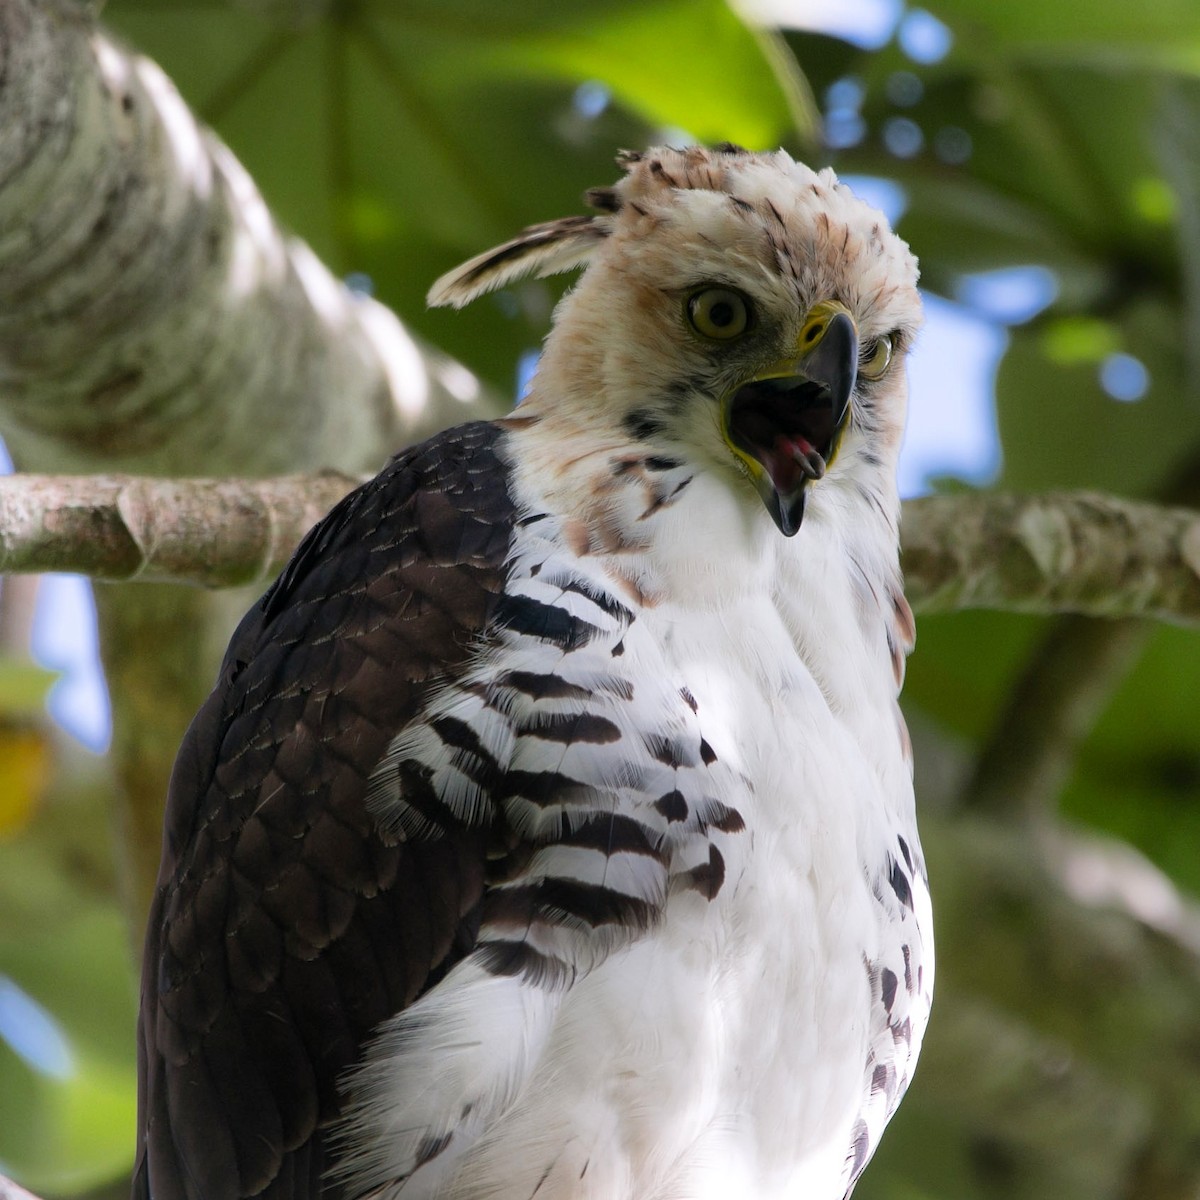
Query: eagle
x=550 y=830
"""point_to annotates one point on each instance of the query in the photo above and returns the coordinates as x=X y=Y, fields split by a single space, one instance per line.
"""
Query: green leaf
x=689 y=87
x=23 y=688
x=67 y=1117
x=1166 y=31
x=400 y=138
x=1059 y=428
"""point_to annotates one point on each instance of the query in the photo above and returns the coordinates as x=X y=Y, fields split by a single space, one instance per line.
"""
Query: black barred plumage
x=549 y=831
x=316 y=879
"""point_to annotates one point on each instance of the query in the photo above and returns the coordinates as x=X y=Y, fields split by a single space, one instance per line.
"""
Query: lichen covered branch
x=1061 y=552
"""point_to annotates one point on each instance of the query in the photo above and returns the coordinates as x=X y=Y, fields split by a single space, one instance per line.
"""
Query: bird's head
x=737 y=306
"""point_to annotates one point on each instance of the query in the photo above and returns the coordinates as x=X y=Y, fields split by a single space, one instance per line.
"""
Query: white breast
x=730 y=1052
x=756 y=1038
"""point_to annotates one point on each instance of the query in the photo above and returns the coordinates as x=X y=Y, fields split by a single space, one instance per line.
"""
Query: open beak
x=785 y=425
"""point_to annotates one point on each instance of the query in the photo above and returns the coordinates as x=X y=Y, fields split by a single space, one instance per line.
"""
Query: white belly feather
x=723 y=1054
x=755 y=1039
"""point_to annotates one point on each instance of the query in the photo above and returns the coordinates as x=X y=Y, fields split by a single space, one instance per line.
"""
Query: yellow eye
x=718 y=313
x=876 y=357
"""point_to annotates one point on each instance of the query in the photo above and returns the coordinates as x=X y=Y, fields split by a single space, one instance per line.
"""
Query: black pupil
x=721 y=314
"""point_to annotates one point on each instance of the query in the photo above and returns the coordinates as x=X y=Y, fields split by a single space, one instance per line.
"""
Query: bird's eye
x=719 y=313
x=876 y=357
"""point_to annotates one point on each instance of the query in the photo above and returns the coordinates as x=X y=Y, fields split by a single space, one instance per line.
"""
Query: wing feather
x=287 y=924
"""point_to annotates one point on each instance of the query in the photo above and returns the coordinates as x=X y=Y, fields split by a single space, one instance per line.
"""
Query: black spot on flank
x=533 y=519
x=739 y=203
x=887 y=988
x=543 y=687
x=899 y=884
x=689 y=699
x=519 y=958
x=543 y=788
x=673 y=806
x=603 y=600
x=730 y=148
x=908 y=977
x=722 y=817
x=460 y=735
x=523 y=614
x=431 y=1147
x=668 y=751
x=611 y=834
x=709 y=878
x=642 y=424
x=881 y=1078
x=544 y=1176
x=707 y=754
x=660 y=462
x=577 y=727
x=860 y=1148
x=564 y=902
x=619 y=649
x=536 y=570
x=906 y=852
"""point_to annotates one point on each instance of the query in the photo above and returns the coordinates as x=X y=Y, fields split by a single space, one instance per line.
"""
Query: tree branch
x=1060 y=552
x=154 y=318
x=1063 y=552
x=1067 y=680
x=212 y=532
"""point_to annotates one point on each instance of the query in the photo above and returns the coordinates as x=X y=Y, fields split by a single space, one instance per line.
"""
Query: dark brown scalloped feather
x=286 y=924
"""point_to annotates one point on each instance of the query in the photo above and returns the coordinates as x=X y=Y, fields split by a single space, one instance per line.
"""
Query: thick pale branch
x=153 y=316
x=124 y=527
x=1065 y=552
x=1061 y=552
x=1068 y=677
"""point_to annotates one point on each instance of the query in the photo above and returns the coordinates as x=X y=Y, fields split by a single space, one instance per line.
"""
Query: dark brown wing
x=285 y=926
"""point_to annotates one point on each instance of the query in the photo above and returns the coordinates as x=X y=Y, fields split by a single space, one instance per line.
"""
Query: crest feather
x=540 y=250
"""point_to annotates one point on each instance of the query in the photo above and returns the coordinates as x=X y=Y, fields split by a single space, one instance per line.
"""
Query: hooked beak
x=785 y=425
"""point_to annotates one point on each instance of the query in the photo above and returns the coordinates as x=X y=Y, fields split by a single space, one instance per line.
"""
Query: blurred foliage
x=398 y=136
x=24 y=752
x=67 y=1061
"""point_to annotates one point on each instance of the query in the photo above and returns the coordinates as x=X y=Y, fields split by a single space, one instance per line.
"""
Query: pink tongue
x=791 y=462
